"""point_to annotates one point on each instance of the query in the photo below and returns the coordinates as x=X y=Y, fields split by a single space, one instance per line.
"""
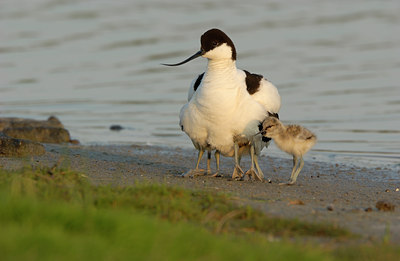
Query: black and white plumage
x=226 y=104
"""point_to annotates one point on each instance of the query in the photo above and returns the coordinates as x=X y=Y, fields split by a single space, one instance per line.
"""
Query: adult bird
x=227 y=106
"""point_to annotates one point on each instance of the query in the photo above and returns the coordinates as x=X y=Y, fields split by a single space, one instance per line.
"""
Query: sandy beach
x=339 y=194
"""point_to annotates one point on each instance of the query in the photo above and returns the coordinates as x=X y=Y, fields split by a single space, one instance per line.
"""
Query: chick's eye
x=214 y=43
x=268 y=127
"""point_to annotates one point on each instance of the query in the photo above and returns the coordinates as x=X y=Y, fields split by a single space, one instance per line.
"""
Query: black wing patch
x=253 y=82
x=198 y=81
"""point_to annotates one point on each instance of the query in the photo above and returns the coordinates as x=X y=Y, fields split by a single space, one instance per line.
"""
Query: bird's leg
x=196 y=172
x=217 y=154
x=208 y=162
x=293 y=178
x=260 y=173
x=295 y=160
x=252 y=173
x=237 y=171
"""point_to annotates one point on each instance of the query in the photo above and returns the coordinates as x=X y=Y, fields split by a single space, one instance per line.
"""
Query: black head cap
x=214 y=38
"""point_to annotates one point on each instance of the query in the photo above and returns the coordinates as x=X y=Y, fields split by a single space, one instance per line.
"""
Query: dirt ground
x=339 y=194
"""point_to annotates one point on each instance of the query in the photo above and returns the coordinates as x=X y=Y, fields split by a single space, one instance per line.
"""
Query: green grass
x=58 y=215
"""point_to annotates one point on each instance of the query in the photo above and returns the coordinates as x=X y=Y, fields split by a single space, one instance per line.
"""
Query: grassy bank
x=55 y=214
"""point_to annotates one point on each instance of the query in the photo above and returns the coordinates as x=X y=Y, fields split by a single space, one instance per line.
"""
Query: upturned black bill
x=194 y=56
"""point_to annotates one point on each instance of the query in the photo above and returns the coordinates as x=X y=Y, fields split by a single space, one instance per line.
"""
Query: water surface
x=97 y=63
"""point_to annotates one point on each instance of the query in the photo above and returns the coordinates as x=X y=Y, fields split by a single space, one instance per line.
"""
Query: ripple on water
x=99 y=64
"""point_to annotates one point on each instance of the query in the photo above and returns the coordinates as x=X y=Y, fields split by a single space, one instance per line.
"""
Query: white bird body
x=267 y=96
x=220 y=109
x=225 y=104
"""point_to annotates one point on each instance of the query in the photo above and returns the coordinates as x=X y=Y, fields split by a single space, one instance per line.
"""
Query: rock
x=384 y=205
x=20 y=137
x=369 y=209
x=7 y=123
x=116 y=127
x=329 y=207
x=10 y=147
x=39 y=134
x=49 y=131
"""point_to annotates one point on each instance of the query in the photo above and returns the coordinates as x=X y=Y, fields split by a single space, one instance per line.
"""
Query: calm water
x=97 y=63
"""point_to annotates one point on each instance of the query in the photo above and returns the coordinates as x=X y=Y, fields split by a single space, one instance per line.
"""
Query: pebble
x=329 y=207
x=74 y=142
x=296 y=202
x=384 y=205
x=116 y=127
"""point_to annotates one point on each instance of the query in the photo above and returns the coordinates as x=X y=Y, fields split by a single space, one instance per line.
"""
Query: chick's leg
x=196 y=172
x=290 y=182
x=260 y=173
x=293 y=178
x=217 y=156
x=237 y=171
x=252 y=173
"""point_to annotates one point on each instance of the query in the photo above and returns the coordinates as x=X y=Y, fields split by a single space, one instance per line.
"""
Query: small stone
x=74 y=142
x=397 y=189
x=387 y=190
x=329 y=208
x=368 y=209
x=296 y=202
x=116 y=127
x=384 y=205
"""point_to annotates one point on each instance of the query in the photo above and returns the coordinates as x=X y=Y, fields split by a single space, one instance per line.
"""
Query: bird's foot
x=252 y=174
x=237 y=173
x=194 y=173
x=216 y=174
x=289 y=183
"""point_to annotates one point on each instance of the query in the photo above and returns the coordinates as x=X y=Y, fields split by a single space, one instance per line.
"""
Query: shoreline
x=343 y=195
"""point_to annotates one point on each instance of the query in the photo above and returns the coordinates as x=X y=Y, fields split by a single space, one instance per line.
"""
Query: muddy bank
x=338 y=194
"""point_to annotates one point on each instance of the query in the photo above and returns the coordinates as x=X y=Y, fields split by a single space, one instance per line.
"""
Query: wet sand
x=339 y=194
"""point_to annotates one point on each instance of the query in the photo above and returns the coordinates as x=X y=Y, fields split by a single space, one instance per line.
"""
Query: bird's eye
x=214 y=43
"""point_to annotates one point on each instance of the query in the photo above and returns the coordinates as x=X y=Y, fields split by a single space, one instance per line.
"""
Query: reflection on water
x=97 y=63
